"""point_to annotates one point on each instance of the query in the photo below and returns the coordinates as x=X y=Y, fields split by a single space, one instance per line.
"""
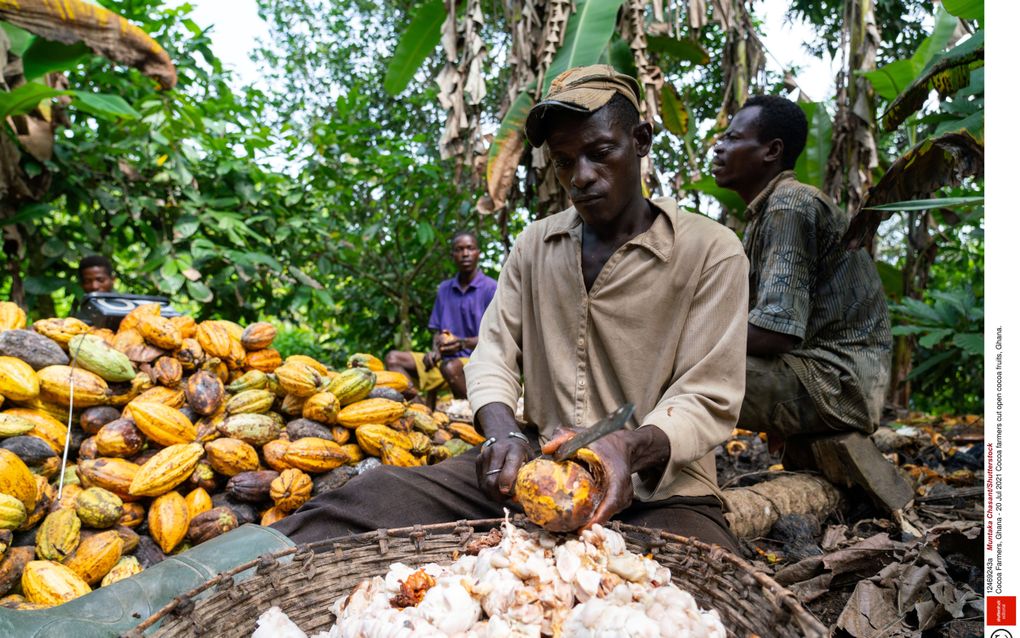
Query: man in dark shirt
x=460 y=303
x=818 y=341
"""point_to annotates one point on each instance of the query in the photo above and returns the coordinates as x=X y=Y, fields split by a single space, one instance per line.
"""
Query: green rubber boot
x=117 y=608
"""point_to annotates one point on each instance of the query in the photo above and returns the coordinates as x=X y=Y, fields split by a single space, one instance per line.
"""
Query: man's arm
x=494 y=382
x=767 y=343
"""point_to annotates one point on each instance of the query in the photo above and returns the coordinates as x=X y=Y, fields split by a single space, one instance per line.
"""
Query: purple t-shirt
x=460 y=311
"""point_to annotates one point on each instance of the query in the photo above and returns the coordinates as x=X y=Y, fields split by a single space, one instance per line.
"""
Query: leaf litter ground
x=856 y=570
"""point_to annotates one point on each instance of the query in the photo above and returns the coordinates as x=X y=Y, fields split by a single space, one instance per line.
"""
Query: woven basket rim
x=784 y=598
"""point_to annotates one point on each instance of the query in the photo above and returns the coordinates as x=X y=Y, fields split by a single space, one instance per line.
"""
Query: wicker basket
x=304 y=581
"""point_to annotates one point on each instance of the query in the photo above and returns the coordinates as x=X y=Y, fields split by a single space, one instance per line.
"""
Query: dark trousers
x=390 y=497
x=776 y=402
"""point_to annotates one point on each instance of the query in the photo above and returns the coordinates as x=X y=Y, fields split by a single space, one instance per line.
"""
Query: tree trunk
x=921 y=252
x=854 y=154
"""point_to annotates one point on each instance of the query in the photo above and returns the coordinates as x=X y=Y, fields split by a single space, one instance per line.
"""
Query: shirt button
x=580 y=341
x=581 y=382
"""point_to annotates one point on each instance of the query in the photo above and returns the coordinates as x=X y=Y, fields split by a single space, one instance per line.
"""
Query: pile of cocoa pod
x=180 y=431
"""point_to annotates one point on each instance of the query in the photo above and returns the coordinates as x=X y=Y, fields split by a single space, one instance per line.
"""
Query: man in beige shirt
x=617 y=299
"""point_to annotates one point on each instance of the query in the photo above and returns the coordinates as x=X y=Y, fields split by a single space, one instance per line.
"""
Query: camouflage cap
x=584 y=89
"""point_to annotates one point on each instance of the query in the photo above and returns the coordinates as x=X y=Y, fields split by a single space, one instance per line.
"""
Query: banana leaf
x=416 y=43
x=810 y=167
x=105 y=32
x=966 y=9
x=936 y=163
x=892 y=79
x=680 y=50
x=947 y=73
x=675 y=117
x=588 y=32
x=42 y=57
x=928 y=204
x=507 y=147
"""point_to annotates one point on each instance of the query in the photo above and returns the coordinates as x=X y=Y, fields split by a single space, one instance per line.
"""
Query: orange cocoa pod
x=168 y=371
x=168 y=520
x=290 y=490
x=204 y=393
x=231 y=456
x=274 y=454
x=198 y=501
x=258 y=336
x=265 y=360
x=160 y=332
x=162 y=424
x=214 y=339
x=185 y=325
x=559 y=496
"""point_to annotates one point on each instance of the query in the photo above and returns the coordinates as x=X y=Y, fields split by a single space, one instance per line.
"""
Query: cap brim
x=580 y=100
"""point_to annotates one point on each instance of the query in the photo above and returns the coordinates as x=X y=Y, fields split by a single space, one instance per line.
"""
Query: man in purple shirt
x=460 y=303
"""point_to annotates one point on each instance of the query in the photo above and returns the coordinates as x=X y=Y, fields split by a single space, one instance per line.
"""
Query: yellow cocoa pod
x=420 y=407
x=132 y=515
x=274 y=454
x=233 y=328
x=115 y=475
x=351 y=385
x=322 y=407
x=171 y=397
x=168 y=520
x=12 y=317
x=169 y=371
x=58 y=535
x=126 y=567
x=170 y=467
x=293 y=405
x=298 y=378
x=68 y=498
x=119 y=438
x=371 y=436
x=130 y=321
x=198 y=501
x=398 y=456
x=235 y=360
x=389 y=379
x=45 y=495
x=89 y=388
x=44 y=426
x=290 y=489
x=308 y=361
x=61 y=330
x=98 y=508
x=12 y=512
x=96 y=556
x=250 y=402
x=160 y=332
x=364 y=360
x=441 y=419
x=251 y=380
x=420 y=443
x=214 y=339
x=265 y=360
x=370 y=411
x=272 y=515
x=16 y=479
x=185 y=325
x=467 y=433
x=18 y=381
x=316 y=455
x=559 y=496
x=341 y=435
x=127 y=339
x=231 y=456
x=190 y=354
x=13 y=425
x=163 y=424
x=49 y=583
x=258 y=336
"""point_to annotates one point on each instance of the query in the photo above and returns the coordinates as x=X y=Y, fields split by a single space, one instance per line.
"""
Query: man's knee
x=451 y=368
x=397 y=360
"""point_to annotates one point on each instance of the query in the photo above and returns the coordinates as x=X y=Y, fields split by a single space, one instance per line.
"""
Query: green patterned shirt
x=805 y=284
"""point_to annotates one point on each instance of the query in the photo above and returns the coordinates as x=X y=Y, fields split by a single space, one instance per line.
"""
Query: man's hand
x=430 y=359
x=613 y=459
x=498 y=464
x=451 y=346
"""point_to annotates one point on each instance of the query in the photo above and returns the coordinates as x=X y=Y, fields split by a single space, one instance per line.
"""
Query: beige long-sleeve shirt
x=664 y=326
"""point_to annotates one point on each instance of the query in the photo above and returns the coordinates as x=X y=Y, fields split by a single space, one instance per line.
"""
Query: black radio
x=106 y=309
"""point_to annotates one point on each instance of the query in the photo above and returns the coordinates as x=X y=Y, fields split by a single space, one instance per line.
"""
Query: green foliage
x=811 y=164
x=417 y=42
x=588 y=31
x=948 y=373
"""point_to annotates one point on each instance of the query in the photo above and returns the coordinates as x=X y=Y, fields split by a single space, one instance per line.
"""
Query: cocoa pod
x=204 y=393
x=120 y=438
x=211 y=524
x=97 y=416
x=36 y=350
x=301 y=428
x=251 y=487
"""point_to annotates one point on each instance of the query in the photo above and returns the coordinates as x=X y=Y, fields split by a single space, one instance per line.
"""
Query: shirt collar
x=658 y=239
x=758 y=203
x=455 y=281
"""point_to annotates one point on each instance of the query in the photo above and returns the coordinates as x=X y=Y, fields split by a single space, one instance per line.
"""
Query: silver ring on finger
x=495 y=471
